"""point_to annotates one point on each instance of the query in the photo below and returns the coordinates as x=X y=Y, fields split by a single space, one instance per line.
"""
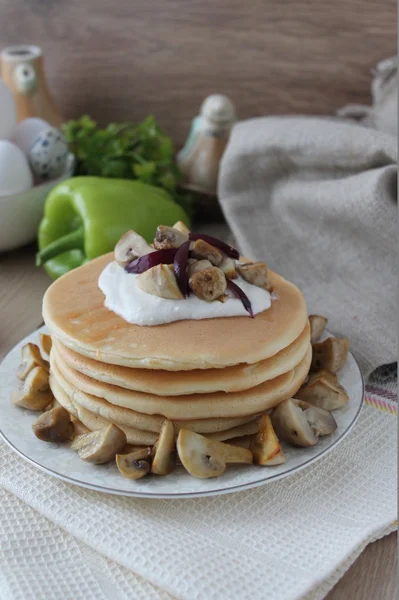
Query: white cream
x=124 y=298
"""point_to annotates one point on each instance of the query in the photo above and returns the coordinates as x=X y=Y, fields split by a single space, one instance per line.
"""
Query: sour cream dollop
x=124 y=298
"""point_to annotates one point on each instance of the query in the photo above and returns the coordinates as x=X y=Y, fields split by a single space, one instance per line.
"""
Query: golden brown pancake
x=196 y=406
x=73 y=309
x=172 y=383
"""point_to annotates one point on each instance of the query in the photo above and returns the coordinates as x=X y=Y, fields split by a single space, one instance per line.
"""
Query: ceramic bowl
x=20 y=214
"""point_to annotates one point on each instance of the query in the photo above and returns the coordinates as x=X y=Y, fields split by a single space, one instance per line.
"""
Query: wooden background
x=122 y=59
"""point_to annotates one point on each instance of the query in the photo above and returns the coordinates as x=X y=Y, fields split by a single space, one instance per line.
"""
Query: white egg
x=49 y=153
x=15 y=174
x=26 y=132
x=8 y=112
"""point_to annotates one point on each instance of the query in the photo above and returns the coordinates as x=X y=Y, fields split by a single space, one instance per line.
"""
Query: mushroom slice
x=323 y=390
x=100 y=446
x=131 y=246
x=330 y=354
x=321 y=421
x=198 y=265
x=35 y=393
x=317 y=326
x=164 y=450
x=209 y=284
x=255 y=273
x=134 y=465
x=78 y=427
x=265 y=447
x=228 y=266
x=55 y=425
x=202 y=250
x=205 y=458
x=46 y=342
x=31 y=357
x=160 y=281
x=291 y=424
x=180 y=226
x=168 y=237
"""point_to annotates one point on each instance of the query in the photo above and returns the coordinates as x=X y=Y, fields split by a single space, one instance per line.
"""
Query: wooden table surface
x=373 y=575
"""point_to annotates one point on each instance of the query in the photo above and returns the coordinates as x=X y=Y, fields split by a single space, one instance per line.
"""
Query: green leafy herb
x=127 y=151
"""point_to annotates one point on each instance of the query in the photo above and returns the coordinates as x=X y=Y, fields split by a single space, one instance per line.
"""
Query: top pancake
x=73 y=308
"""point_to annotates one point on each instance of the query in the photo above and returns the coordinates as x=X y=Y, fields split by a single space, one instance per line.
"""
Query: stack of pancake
x=214 y=376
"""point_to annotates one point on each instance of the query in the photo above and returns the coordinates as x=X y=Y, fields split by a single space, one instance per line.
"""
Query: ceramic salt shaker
x=200 y=158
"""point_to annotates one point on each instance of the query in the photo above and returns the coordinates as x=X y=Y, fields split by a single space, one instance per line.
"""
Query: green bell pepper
x=84 y=217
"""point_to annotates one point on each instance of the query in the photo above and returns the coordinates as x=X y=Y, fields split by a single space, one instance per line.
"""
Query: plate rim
x=186 y=495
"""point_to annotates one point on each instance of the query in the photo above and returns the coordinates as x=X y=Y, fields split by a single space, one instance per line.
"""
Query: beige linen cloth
x=316 y=199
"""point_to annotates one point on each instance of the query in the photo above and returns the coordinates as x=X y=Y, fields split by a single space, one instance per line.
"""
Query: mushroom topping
x=321 y=421
x=202 y=250
x=160 y=281
x=164 y=450
x=169 y=237
x=46 y=343
x=180 y=226
x=134 y=465
x=31 y=357
x=100 y=446
x=323 y=390
x=195 y=266
x=330 y=354
x=317 y=326
x=291 y=425
x=35 y=393
x=228 y=266
x=208 y=284
x=205 y=458
x=54 y=425
x=256 y=274
x=131 y=246
x=78 y=427
x=265 y=447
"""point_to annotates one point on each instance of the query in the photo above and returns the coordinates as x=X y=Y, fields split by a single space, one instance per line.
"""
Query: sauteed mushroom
x=169 y=237
x=131 y=246
x=35 y=394
x=164 y=450
x=54 y=425
x=100 y=446
x=317 y=326
x=134 y=465
x=208 y=284
x=160 y=281
x=255 y=273
x=265 y=447
x=330 y=354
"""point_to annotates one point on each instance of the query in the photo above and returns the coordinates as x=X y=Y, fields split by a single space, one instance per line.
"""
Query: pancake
x=171 y=383
x=130 y=418
x=195 y=406
x=73 y=309
x=135 y=436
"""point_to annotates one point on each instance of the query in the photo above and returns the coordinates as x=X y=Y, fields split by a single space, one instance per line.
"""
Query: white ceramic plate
x=58 y=460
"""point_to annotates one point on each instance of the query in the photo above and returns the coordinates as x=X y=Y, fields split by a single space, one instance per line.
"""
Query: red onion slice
x=139 y=265
x=241 y=295
x=180 y=267
x=226 y=248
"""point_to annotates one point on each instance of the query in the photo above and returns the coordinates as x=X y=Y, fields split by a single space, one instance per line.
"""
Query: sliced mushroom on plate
x=134 y=465
x=317 y=326
x=100 y=446
x=321 y=421
x=228 y=266
x=291 y=425
x=209 y=284
x=202 y=250
x=78 y=427
x=31 y=357
x=265 y=446
x=164 y=450
x=255 y=273
x=46 y=342
x=323 y=390
x=131 y=246
x=35 y=393
x=330 y=354
x=180 y=226
x=160 y=281
x=205 y=458
x=169 y=237
x=54 y=425
x=195 y=266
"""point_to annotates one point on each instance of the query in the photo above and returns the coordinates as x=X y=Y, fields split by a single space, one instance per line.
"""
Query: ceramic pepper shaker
x=210 y=130
x=21 y=68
